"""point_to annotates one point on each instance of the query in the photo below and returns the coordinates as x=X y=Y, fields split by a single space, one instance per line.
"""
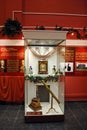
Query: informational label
x=81 y=54
x=12 y=65
x=11 y=59
x=11 y=52
x=69 y=54
x=34 y=113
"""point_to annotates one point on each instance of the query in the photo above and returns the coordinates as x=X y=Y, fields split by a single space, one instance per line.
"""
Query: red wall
x=7 y=7
x=2 y=12
x=75 y=86
x=55 y=6
x=45 y=6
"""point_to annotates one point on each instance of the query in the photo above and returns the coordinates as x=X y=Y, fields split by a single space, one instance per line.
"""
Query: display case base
x=51 y=118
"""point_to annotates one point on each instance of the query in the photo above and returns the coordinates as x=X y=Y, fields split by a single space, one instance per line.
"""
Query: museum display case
x=44 y=75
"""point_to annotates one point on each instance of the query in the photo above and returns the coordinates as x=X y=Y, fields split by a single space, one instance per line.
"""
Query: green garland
x=37 y=79
x=11 y=28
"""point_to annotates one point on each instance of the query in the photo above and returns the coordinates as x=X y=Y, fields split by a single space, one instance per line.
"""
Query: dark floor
x=12 y=118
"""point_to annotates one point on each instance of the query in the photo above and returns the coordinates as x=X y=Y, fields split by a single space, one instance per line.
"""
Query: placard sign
x=81 y=59
x=81 y=54
x=69 y=54
x=11 y=58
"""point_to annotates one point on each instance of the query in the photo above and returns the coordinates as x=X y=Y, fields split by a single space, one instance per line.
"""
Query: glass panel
x=44 y=78
x=61 y=81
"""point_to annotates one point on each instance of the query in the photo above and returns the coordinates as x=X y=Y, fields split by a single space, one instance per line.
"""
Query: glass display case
x=44 y=75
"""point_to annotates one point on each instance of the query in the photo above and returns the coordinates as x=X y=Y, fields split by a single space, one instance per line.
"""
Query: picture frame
x=42 y=67
x=81 y=66
x=3 y=65
x=69 y=67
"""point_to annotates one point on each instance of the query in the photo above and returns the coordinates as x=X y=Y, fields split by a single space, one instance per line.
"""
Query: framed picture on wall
x=3 y=66
x=81 y=66
x=42 y=67
x=67 y=67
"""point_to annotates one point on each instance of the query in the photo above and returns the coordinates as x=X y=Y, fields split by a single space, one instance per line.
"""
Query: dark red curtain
x=12 y=88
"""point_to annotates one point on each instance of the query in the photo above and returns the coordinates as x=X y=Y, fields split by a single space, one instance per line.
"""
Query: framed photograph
x=67 y=67
x=81 y=66
x=42 y=67
x=3 y=66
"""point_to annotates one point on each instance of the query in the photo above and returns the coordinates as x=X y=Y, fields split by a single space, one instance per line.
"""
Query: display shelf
x=46 y=109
